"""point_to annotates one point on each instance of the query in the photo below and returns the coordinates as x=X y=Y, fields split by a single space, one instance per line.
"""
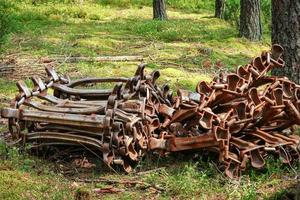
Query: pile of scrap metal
x=243 y=116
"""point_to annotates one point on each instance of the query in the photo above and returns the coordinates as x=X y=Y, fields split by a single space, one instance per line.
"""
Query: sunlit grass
x=94 y=29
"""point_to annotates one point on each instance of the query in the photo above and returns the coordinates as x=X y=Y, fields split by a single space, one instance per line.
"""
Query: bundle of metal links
x=243 y=116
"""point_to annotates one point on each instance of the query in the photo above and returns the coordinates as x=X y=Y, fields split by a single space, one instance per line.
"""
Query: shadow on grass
x=120 y=31
x=291 y=193
x=187 y=30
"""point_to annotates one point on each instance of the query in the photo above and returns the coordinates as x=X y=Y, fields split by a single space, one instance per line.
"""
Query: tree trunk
x=250 y=22
x=159 y=10
x=286 y=32
x=219 y=8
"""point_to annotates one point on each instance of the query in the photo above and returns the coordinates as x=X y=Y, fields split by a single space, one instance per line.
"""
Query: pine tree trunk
x=250 y=22
x=159 y=10
x=219 y=8
x=286 y=32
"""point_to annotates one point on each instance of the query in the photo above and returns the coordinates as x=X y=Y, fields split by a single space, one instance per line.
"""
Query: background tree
x=159 y=10
x=250 y=20
x=286 y=32
x=219 y=8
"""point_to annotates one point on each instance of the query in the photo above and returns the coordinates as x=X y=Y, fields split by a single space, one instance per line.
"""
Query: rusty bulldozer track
x=243 y=116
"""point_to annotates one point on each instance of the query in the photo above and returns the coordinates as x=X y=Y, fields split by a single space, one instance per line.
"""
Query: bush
x=266 y=14
x=232 y=11
x=125 y=3
x=6 y=21
x=193 y=5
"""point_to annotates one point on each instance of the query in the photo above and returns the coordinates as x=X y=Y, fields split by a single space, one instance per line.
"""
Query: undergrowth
x=181 y=176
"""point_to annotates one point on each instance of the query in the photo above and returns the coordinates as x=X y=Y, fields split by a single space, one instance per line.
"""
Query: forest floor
x=187 y=48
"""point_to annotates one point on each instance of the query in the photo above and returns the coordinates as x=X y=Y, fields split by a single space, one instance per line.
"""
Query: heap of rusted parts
x=243 y=116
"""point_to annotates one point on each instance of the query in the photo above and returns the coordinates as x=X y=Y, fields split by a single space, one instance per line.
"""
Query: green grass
x=21 y=185
x=25 y=177
x=193 y=43
x=56 y=28
x=189 y=47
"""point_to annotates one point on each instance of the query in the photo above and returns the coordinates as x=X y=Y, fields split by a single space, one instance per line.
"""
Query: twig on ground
x=108 y=190
x=169 y=63
x=150 y=171
x=142 y=184
x=72 y=59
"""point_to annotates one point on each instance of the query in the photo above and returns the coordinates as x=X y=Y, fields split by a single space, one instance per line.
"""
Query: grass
x=190 y=47
x=95 y=29
x=22 y=185
x=24 y=177
x=191 y=43
x=182 y=176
